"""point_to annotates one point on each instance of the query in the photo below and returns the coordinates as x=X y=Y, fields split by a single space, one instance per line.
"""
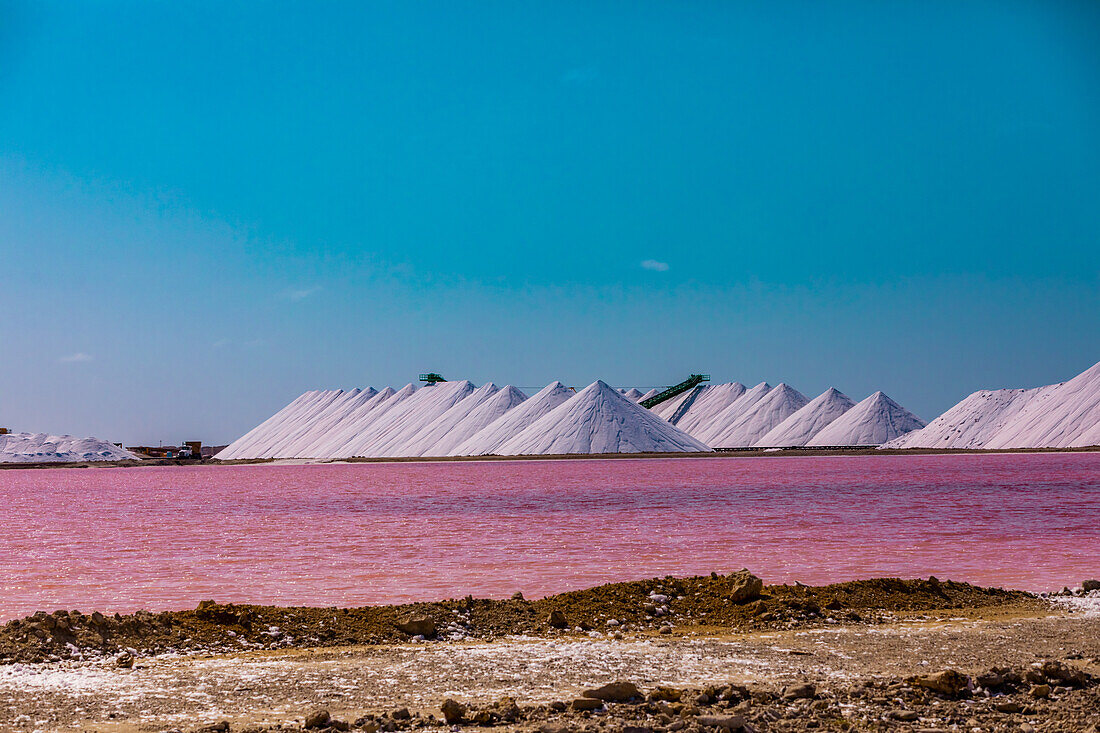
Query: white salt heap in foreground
x=1065 y=415
x=44 y=448
x=600 y=420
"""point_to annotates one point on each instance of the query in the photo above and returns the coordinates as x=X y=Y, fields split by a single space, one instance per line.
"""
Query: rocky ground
x=702 y=655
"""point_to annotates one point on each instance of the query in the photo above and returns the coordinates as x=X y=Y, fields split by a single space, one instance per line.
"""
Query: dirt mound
x=663 y=605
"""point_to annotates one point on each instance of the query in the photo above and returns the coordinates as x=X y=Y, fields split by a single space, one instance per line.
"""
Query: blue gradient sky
x=208 y=208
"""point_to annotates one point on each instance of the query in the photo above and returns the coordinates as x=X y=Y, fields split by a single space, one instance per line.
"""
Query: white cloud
x=300 y=294
x=655 y=265
x=79 y=356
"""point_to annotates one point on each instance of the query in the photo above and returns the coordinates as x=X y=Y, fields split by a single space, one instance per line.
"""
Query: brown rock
x=797 y=692
x=614 y=692
x=318 y=719
x=1040 y=692
x=1090 y=585
x=1008 y=706
x=667 y=694
x=1063 y=674
x=402 y=714
x=341 y=725
x=125 y=660
x=453 y=711
x=421 y=626
x=948 y=682
x=725 y=722
x=907 y=716
x=586 y=703
x=557 y=619
x=744 y=587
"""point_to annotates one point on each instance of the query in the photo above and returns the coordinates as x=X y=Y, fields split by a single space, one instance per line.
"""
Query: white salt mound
x=709 y=403
x=323 y=422
x=395 y=430
x=651 y=393
x=872 y=422
x=45 y=448
x=329 y=442
x=720 y=423
x=1065 y=415
x=773 y=408
x=485 y=414
x=489 y=439
x=799 y=428
x=600 y=420
x=632 y=394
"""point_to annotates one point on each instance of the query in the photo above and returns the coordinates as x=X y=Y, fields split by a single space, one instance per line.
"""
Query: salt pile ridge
x=489 y=439
x=799 y=428
x=773 y=408
x=1065 y=415
x=709 y=403
x=323 y=422
x=873 y=421
x=721 y=422
x=633 y=394
x=600 y=420
x=329 y=443
x=258 y=441
x=398 y=426
x=45 y=448
x=485 y=414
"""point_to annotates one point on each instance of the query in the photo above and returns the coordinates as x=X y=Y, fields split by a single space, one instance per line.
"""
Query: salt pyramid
x=633 y=394
x=599 y=420
x=773 y=408
x=396 y=428
x=320 y=423
x=329 y=443
x=873 y=421
x=489 y=439
x=651 y=393
x=365 y=433
x=45 y=448
x=799 y=428
x=1065 y=415
x=721 y=422
x=486 y=414
x=709 y=403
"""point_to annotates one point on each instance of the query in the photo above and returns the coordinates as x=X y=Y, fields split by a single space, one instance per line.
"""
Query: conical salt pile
x=872 y=422
x=773 y=408
x=328 y=444
x=1065 y=415
x=489 y=439
x=480 y=417
x=704 y=408
x=600 y=420
x=802 y=426
x=713 y=429
x=397 y=429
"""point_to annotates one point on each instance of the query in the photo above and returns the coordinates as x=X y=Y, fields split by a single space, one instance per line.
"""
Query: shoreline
x=800 y=452
x=704 y=654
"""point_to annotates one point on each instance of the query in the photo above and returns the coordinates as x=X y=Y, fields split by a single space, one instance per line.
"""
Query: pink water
x=167 y=537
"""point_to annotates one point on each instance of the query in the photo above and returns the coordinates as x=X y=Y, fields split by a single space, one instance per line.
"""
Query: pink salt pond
x=167 y=537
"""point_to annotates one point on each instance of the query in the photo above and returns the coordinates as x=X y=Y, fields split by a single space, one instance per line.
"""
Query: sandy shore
x=745 y=665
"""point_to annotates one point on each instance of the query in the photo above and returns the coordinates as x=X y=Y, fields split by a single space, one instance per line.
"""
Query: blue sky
x=208 y=208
